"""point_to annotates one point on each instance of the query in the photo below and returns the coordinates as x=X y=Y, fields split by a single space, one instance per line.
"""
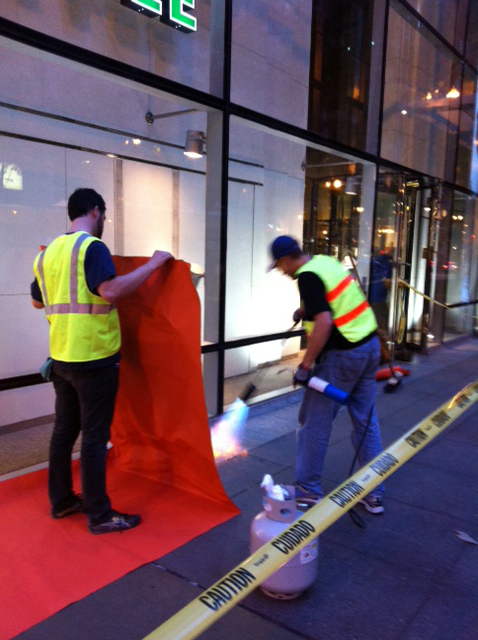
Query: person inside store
x=343 y=349
x=380 y=285
x=76 y=283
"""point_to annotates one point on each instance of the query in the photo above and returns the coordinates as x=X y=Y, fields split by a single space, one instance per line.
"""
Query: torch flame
x=225 y=434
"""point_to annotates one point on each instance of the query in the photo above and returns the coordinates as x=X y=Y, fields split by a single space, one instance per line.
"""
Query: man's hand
x=159 y=258
x=301 y=376
x=298 y=315
x=119 y=287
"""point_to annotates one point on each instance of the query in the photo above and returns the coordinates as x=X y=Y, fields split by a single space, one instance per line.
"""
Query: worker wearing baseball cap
x=343 y=349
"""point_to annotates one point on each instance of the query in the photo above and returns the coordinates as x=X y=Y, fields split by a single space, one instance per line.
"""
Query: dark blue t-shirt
x=99 y=267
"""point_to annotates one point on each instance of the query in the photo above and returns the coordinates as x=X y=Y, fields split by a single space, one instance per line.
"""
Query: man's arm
x=121 y=286
x=37 y=300
x=316 y=308
x=318 y=338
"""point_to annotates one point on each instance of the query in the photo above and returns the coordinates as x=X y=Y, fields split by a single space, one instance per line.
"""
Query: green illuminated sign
x=172 y=12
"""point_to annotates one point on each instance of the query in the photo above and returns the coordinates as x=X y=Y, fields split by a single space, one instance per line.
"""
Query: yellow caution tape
x=233 y=587
x=432 y=300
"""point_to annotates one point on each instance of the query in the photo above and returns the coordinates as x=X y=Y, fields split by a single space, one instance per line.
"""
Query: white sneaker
x=373 y=504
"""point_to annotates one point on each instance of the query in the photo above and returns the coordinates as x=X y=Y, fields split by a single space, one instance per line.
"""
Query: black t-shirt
x=312 y=293
x=99 y=267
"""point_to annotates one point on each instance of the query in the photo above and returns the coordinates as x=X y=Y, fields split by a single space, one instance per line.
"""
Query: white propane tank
x=291 y=580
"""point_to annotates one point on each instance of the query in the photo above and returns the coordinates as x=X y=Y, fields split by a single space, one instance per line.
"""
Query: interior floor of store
x=24 y=445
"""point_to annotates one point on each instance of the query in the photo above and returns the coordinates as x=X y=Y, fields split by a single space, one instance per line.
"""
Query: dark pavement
x=405 y=576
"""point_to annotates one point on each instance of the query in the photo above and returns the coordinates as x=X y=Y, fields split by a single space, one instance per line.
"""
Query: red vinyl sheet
x=161 y=465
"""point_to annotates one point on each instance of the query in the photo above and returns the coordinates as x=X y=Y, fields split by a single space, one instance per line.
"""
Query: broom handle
x=383 y=344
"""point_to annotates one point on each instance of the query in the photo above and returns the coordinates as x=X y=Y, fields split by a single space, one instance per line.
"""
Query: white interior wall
x=192 y=227
x=94 y=171
x=147 y=207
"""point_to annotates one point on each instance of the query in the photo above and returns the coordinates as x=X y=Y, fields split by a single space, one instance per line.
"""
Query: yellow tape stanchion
x=233 y=587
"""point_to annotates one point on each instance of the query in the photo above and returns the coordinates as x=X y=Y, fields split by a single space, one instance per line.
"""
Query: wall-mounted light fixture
x=352 y=185
x=195 y=141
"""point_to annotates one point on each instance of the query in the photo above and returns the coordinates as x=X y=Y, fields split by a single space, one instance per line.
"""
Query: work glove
x=301 y=376
x=298 y=315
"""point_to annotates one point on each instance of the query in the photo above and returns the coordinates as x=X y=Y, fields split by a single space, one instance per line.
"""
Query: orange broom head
x=385 y=374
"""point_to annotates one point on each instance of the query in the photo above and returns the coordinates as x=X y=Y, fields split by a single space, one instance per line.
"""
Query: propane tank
x=280 y=510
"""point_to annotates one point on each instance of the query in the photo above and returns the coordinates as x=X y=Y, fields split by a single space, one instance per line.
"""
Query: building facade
x=350 y=124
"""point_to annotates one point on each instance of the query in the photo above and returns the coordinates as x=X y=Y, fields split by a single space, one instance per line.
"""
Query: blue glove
x=301 y=376
x=298 y=315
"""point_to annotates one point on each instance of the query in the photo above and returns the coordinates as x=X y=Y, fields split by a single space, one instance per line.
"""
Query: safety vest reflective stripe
x=331 y=295
x=351 y=315
x=97 y=309
x=74 y=268
x=42 y=280
x=73 y=306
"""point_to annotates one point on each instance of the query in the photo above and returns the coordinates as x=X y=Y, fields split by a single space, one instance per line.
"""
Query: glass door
x=399 y=239
x=404 y=271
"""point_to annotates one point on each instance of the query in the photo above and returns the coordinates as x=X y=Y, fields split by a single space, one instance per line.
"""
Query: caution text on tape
x=206 y=609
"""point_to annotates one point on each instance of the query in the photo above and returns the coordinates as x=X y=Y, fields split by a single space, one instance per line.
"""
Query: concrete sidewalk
x=405 y=576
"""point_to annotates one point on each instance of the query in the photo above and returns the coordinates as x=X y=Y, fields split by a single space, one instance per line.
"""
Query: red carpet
x=162 y=466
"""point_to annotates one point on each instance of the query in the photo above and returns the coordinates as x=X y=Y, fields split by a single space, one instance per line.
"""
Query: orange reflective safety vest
x=351 y=313
x=83 y=326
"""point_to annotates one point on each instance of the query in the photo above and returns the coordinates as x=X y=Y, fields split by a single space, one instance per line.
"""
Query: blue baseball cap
x=281 y=247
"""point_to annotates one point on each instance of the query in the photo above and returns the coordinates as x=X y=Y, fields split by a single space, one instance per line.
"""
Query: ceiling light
x=453 y=93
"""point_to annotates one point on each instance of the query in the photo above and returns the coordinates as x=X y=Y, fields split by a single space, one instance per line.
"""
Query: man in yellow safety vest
x=343 y=349
x=76 y=283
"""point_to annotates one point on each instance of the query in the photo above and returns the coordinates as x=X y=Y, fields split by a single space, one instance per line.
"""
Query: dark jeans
x=85 y=402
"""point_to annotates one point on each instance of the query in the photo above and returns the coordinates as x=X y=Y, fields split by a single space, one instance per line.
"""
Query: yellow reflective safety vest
x=83 y=326
x=351 y=313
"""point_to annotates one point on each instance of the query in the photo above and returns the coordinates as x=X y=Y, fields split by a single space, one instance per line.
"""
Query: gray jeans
x=352 y=371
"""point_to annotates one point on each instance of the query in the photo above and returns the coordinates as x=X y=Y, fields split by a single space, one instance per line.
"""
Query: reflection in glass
x=443 y=16
x=458 y=266
x=341 y=58
x=271 y=367
x=270 y=58
x=467 y=154
x=471 y=49
x=419 y=121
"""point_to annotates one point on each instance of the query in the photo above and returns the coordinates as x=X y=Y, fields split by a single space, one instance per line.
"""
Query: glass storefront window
x=270 y=58
x=467 y=157
x=422 y=87
x=194 y=58
x=459 y=266
x=345 y=71
x=279 y=185
x=269 y=366
x=471 y=49
x=448 y=17
x=316 y=65
x=157 y=197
